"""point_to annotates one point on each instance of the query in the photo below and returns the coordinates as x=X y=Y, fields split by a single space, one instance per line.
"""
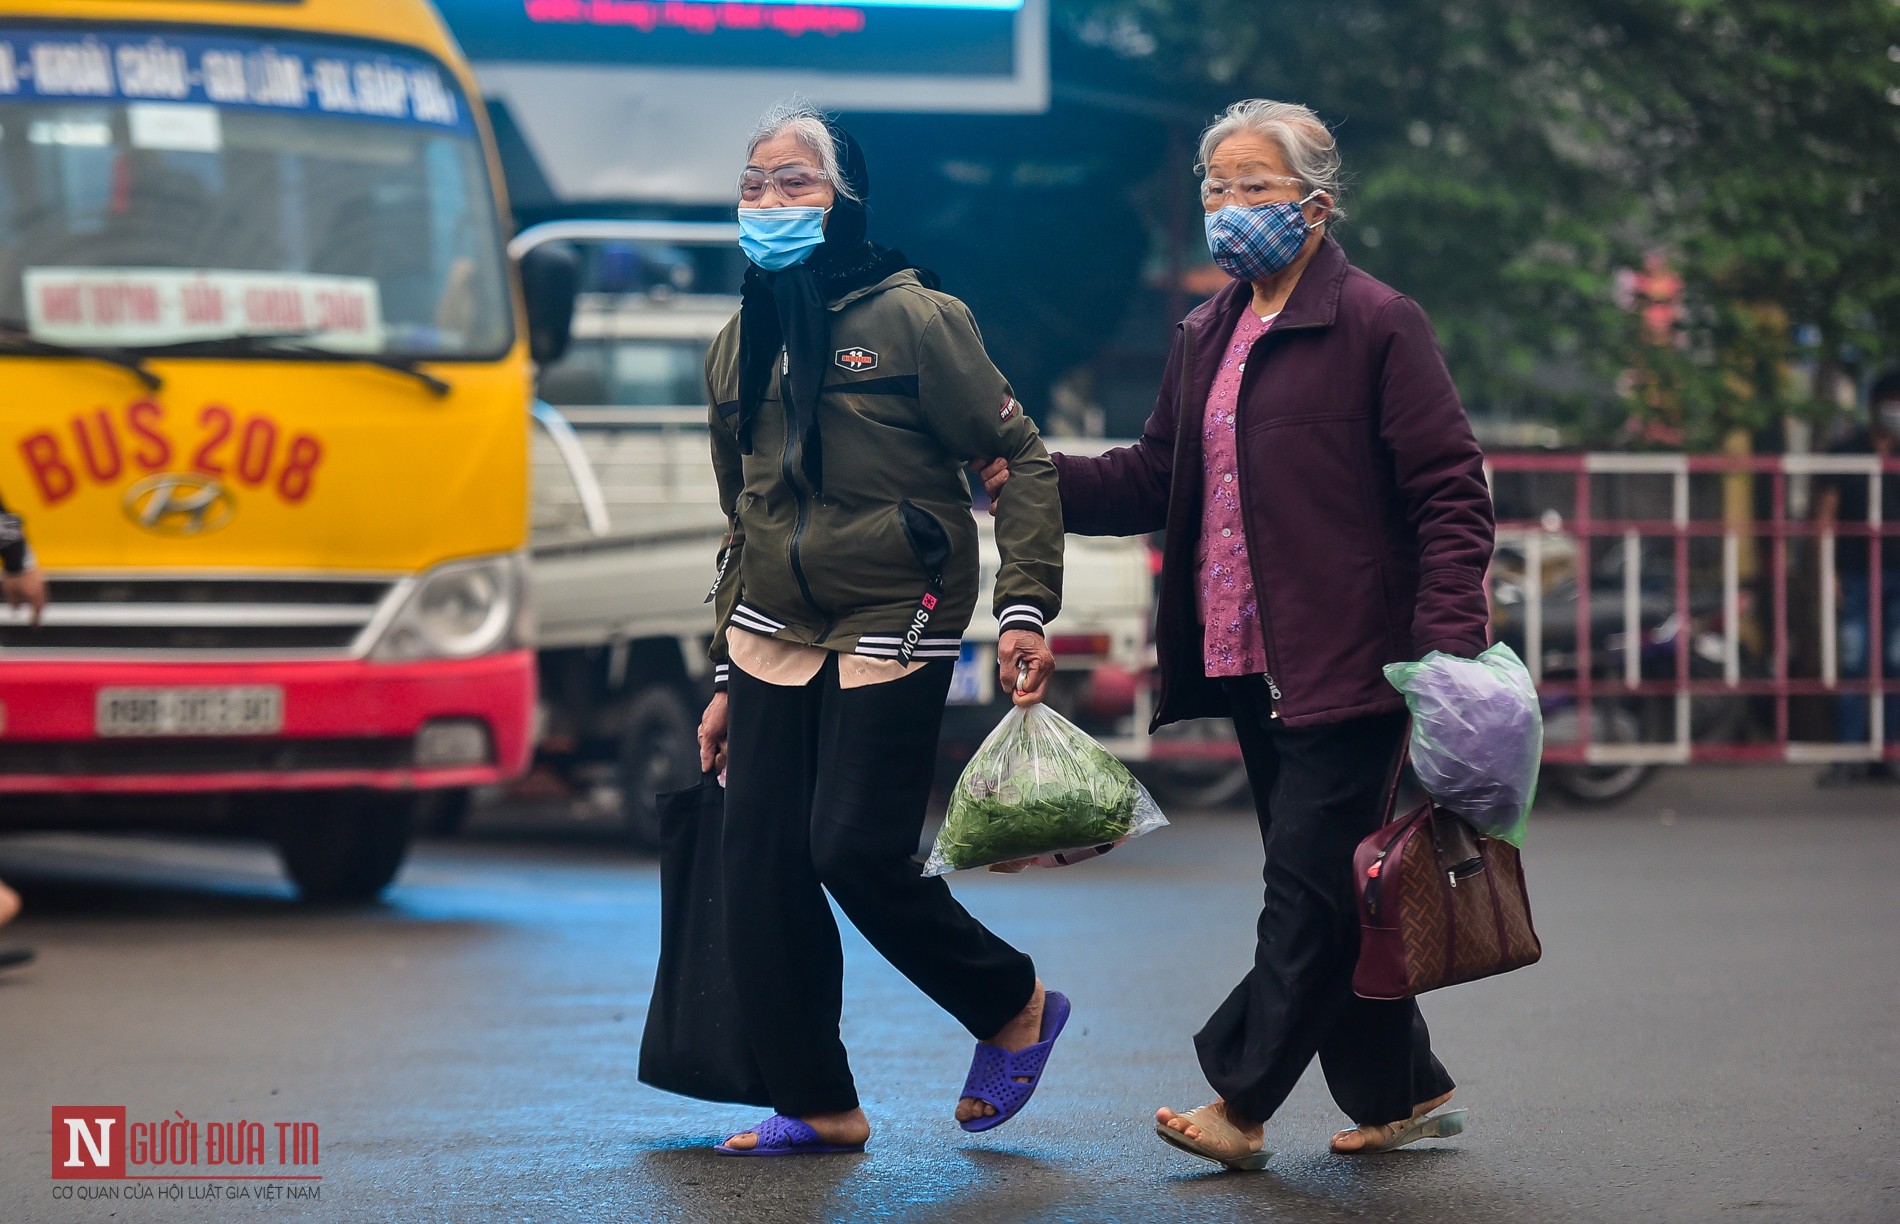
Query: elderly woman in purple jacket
x=1325 y=513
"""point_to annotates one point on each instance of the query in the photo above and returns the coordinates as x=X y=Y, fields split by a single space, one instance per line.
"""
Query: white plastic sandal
x=1419 y=1126
x=1214 y=1125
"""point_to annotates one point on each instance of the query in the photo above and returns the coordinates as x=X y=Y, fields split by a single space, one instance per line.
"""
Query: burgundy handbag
x=1438 y=905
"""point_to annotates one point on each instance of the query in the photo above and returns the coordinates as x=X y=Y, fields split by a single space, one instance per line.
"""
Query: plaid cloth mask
x=1252 y=243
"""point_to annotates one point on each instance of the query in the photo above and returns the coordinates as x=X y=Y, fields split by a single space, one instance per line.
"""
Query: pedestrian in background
x=9 y=910
x=21 y=583
x=1844 y=500
x=1326 y=513
x=847 y=394
x=23 y=586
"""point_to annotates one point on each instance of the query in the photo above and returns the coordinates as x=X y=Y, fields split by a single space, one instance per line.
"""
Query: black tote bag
x=695 y=1043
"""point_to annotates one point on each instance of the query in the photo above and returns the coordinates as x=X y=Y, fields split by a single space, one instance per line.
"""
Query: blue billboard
x=952 y=38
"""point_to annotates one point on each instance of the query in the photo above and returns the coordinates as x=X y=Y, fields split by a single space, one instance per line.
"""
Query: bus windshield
x=183 y=192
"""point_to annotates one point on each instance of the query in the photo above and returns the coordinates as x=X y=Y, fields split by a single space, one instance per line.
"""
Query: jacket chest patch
x=857 y=360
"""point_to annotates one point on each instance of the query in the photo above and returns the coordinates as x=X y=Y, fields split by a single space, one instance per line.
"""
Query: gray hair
x=807 y=125
x=1311 y=153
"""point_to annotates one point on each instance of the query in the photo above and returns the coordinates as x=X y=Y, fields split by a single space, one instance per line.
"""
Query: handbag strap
x=1373 y=884
x=1398 y=773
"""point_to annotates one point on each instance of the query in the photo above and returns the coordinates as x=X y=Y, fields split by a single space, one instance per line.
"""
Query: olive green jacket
x=884 y=561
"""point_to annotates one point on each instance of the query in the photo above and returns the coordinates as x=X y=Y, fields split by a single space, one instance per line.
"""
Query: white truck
x=627 y=523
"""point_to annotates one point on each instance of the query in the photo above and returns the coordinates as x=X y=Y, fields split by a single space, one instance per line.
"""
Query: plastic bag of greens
x=1477 y=736
x=1040 y=789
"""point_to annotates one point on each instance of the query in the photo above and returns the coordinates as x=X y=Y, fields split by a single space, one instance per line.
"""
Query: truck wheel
x=1199 y=782
x=344 y=848
x=659 y=752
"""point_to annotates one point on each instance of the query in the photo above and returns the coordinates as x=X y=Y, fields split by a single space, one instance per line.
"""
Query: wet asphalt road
x=1711 y=1037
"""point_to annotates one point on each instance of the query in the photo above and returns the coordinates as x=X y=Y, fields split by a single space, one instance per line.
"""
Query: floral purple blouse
x=1229 y=609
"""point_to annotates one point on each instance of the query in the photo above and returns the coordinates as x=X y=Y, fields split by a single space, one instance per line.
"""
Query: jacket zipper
x=789 y=469
x=1253 y=560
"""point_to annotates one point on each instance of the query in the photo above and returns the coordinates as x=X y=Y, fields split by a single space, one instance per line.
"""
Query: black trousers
x=1318 y=790
x=826 y=790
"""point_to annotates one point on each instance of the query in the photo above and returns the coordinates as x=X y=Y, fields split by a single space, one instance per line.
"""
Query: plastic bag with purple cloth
x=1477 y=736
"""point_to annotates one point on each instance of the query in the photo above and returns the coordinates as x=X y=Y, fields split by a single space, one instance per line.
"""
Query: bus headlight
x=458 y=611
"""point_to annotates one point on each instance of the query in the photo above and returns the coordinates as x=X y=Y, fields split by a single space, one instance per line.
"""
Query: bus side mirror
x=550 y=281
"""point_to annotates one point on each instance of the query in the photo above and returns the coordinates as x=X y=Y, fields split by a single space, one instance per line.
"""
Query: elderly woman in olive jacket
x=846 y=396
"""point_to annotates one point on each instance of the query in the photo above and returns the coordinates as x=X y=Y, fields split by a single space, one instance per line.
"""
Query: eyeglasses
x=792 y=182
x=1245 y=192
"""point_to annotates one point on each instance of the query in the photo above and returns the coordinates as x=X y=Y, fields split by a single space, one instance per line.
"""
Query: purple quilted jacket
x=1368 y=521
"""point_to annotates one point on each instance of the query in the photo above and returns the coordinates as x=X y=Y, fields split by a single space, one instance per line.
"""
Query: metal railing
x=1625 y=509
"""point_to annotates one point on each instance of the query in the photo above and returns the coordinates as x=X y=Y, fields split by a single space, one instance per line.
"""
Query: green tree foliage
x=1508 y=157
x=1768 y=148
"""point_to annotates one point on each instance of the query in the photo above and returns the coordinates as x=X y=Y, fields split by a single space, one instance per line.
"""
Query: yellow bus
x=264 y=392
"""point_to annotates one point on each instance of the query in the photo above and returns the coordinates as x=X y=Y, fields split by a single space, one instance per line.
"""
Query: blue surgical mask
x=777 y=238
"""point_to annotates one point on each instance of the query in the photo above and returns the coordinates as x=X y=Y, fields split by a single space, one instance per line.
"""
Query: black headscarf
x=790 y=308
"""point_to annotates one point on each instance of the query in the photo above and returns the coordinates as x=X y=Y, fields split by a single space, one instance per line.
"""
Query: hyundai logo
x=179 y=503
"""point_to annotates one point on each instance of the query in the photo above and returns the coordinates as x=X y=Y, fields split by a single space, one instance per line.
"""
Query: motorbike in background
x=1616 y=719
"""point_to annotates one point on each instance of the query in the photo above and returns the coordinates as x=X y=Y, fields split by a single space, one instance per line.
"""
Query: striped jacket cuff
x=750 y=618
x=722 y=676
x=1019 y=616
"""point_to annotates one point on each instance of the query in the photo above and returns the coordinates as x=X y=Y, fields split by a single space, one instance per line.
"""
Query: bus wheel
x=442 y=813
x=659 y=752
x=344 y=847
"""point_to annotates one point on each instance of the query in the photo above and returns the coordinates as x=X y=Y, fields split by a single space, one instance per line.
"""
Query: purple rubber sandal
x=994 y=1071
x=783 y=1136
